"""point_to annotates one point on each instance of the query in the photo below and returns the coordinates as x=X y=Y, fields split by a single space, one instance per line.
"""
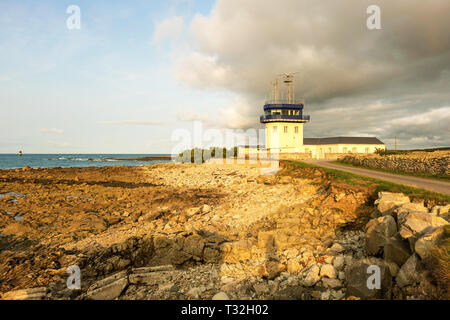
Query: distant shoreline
x=154 y=158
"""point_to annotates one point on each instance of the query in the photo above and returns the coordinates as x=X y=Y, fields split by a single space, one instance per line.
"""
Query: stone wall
x=434 y=163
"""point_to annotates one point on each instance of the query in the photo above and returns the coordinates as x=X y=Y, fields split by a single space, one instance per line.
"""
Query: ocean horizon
x=69 y=160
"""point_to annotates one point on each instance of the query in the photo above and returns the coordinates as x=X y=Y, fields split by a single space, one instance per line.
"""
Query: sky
x=142 y=76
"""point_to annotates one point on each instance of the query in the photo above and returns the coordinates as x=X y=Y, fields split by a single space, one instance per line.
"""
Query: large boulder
x=412 y=225
x=396 y=250
x=409 y=272
x=429 y=240
x=357 y=276
x=387 y=202
x=409 y=207
x=378 y=232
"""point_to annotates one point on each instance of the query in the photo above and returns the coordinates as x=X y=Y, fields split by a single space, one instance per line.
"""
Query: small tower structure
x=284 y=118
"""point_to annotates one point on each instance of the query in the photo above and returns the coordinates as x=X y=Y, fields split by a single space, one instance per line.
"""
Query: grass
x=378 y=185
x=438 y=263
x=445 y=178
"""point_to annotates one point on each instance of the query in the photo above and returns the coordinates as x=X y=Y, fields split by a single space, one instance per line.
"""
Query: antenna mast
x=289 y=81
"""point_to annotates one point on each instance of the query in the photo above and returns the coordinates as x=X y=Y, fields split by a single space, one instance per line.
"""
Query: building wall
x=283 y=135
x=333 y=149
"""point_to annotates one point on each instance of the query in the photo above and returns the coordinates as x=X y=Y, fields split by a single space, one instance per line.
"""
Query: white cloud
x=51 y=130
x=134 y=122
x=168 y=29
x=233 y=116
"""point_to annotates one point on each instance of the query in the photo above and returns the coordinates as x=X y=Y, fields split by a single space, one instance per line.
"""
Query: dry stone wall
x=423 y=162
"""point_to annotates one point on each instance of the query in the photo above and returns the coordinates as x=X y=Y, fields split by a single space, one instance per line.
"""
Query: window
x=367 y=150
x=345 y=150
x=275 y=130
x=285 y=129
x=296 y=129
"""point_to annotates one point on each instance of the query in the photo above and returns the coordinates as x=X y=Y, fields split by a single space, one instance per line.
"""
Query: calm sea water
x=14 y=161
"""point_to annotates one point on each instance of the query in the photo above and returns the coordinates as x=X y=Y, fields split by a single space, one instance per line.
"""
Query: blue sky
x=138 y=71
x=81 y=81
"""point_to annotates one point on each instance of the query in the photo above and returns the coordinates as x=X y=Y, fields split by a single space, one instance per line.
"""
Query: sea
x=14 y=161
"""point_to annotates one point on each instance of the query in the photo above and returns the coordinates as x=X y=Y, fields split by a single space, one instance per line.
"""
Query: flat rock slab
x=109 y=288
x=26 y=294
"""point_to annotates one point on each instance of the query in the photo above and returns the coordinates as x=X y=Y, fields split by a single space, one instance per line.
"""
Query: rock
x=387 y=202
x=325 y=295
x=409 y=207
x=166 y=267
x=135 y=216
x=293 y=266
x=408 y=273
x=195 y=292
x=328 y=271
x=273 y=269
x=39 y=293
x=109 y=288
x=393 y=268
x=220 y=296
x=113 y=220
x=312 y=276
x=267 y=179
x=260 y=288
x=440 y=210
x=357 y=276
x=151 y=216
x=192 y=211
x=226 y=279
x=165 y=286
x=148 y=278
x=415 y=224
x=424 y=244
x=378 y=231
x=396 y=250
x=338 y=263
x=206 y=208
x=337 y=248
x=332 y=283
x=285 y=179
x=26 y=168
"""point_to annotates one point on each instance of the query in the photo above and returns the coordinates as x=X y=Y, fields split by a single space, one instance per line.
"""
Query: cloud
x=353 y=79
x=168 y=29
x=51 y=130
x=235 y=116
x=134 y=123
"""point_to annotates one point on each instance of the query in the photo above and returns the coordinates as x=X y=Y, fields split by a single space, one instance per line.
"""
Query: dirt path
x=428 y=184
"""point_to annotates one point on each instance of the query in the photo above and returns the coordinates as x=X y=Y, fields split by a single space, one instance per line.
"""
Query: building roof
x=341 y=140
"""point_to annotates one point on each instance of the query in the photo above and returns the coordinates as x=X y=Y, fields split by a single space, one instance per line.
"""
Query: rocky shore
x=212 y=231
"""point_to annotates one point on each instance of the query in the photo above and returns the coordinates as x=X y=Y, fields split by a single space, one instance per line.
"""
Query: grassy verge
x=379 y=185
x=419 y=175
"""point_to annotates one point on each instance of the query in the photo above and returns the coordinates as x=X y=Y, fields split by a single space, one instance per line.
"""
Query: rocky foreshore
x=212 y=231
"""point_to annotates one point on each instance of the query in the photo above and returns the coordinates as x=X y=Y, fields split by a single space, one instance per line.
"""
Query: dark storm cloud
x=375 y=80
